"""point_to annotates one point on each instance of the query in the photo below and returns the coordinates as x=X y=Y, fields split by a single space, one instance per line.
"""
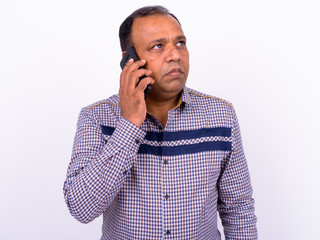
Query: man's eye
x=181 y=43
x=158 y=46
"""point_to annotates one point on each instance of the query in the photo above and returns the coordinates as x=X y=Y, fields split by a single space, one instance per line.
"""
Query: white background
x=59 y=56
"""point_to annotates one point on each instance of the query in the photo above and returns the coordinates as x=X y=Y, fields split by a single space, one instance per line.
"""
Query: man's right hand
x=132 y=102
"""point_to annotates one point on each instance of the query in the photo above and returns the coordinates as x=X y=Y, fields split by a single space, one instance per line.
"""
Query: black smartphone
x=131 y=53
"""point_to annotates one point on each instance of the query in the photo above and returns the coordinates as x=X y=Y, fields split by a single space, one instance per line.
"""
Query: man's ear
x=123 y=53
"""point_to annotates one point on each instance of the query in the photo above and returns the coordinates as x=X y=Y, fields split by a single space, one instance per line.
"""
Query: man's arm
x=236 y=205
x=98 y=169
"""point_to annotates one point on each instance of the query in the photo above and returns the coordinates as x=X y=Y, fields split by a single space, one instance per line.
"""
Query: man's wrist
x=128 y=135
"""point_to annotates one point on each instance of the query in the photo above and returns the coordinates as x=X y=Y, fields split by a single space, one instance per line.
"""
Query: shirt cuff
x=128 y=135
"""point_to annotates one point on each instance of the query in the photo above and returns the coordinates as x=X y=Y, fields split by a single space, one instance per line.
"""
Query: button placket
x=165 y=195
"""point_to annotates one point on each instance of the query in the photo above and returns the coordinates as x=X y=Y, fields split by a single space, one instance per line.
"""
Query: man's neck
x=159 y=108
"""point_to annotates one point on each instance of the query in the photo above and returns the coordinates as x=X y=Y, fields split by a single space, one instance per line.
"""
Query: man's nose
x=173 y=54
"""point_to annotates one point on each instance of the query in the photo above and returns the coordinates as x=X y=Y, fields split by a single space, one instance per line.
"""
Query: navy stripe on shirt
x=184 y=149
x=182 y=135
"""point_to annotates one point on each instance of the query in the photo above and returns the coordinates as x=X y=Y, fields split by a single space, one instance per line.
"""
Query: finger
x=136 y=75
x=144 y=83
x=124 y=71
x=132 y=66
x=131 y=74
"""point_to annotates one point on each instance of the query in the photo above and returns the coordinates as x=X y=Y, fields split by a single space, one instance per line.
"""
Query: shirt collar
x=185 y=98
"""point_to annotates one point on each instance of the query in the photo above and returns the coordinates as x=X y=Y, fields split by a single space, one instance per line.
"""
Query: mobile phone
x=131 y=53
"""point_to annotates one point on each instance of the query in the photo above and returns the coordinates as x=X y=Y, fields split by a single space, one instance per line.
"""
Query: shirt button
x=137 y=141
x=168 y=232
x=166 y=196
x=165 y=162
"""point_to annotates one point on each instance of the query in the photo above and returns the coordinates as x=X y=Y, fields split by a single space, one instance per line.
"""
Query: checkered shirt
x=162 y=183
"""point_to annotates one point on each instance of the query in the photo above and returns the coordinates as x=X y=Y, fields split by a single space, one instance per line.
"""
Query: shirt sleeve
x=235 y=203
x=98 y=168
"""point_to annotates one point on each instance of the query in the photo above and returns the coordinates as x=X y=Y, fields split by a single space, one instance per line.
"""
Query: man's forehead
x=155 y=18
x=156 y=27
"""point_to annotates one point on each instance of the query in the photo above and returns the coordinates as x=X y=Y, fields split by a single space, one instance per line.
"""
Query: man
x=160 y=167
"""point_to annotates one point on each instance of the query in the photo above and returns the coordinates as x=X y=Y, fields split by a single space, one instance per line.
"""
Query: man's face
x=160 y=41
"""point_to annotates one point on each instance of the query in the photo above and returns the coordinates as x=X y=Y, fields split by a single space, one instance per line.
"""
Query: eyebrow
x=161 y=40
x=181 y=37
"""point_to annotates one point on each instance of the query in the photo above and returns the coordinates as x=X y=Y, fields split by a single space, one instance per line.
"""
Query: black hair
x=125 y=27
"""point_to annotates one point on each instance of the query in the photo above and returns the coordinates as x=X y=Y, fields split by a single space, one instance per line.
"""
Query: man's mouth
x=174 y=72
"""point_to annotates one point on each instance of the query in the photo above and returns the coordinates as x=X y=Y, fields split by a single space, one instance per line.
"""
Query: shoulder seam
x=216 y=98
x=114 y=104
